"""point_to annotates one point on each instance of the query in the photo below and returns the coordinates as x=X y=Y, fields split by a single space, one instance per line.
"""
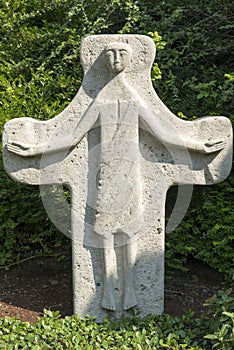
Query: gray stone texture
x=119 y=149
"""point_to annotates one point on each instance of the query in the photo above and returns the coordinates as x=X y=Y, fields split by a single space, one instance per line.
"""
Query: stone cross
x=119 y=149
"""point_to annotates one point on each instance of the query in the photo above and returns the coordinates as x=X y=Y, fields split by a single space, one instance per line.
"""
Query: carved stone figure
x=135 y=151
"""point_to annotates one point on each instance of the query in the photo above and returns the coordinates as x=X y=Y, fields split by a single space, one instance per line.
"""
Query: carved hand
x=22 y=149
x=214 y=146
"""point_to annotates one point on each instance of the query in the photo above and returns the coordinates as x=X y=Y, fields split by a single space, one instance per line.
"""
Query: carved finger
x=16 y=151
x=21 y=145
x=11 y=148
x=221 y=145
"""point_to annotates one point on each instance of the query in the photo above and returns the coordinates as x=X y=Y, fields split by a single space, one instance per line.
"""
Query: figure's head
x=117 y=56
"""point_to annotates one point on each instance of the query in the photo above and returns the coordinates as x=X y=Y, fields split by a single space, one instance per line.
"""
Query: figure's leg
x=129 y=255
x=108 y=298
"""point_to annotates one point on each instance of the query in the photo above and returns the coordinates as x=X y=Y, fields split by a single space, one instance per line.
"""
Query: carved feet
x=108 y=298
x=129 y=298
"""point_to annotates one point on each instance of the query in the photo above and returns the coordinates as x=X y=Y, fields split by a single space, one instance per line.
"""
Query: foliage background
x=193 y=74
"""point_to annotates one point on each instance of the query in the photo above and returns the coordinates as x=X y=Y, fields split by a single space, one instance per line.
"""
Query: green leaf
x=211 y=336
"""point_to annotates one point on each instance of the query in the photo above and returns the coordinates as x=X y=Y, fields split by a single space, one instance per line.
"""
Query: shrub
x=40 y=72
x=211 y=331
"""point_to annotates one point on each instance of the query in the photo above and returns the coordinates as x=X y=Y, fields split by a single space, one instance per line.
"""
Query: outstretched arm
x=59 y=143
x=169 y=135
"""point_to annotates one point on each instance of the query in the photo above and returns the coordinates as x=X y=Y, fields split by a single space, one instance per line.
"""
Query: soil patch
x=29 y=287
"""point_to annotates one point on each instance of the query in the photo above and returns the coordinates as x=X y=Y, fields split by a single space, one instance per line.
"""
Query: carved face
x=117 y=56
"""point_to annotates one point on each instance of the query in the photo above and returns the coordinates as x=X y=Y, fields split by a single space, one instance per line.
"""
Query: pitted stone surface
x=119 y=149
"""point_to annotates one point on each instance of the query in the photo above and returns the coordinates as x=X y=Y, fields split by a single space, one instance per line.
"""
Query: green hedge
x=212 y=331
x=40 y=72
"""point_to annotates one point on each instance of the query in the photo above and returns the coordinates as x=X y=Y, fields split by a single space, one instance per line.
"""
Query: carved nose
x=116 y=57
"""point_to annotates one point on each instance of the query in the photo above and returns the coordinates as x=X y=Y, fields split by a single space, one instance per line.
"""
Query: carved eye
x=109 y=53
x=123 y=53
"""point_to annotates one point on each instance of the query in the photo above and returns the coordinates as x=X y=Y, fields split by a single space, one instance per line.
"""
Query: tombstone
x=119 y=149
